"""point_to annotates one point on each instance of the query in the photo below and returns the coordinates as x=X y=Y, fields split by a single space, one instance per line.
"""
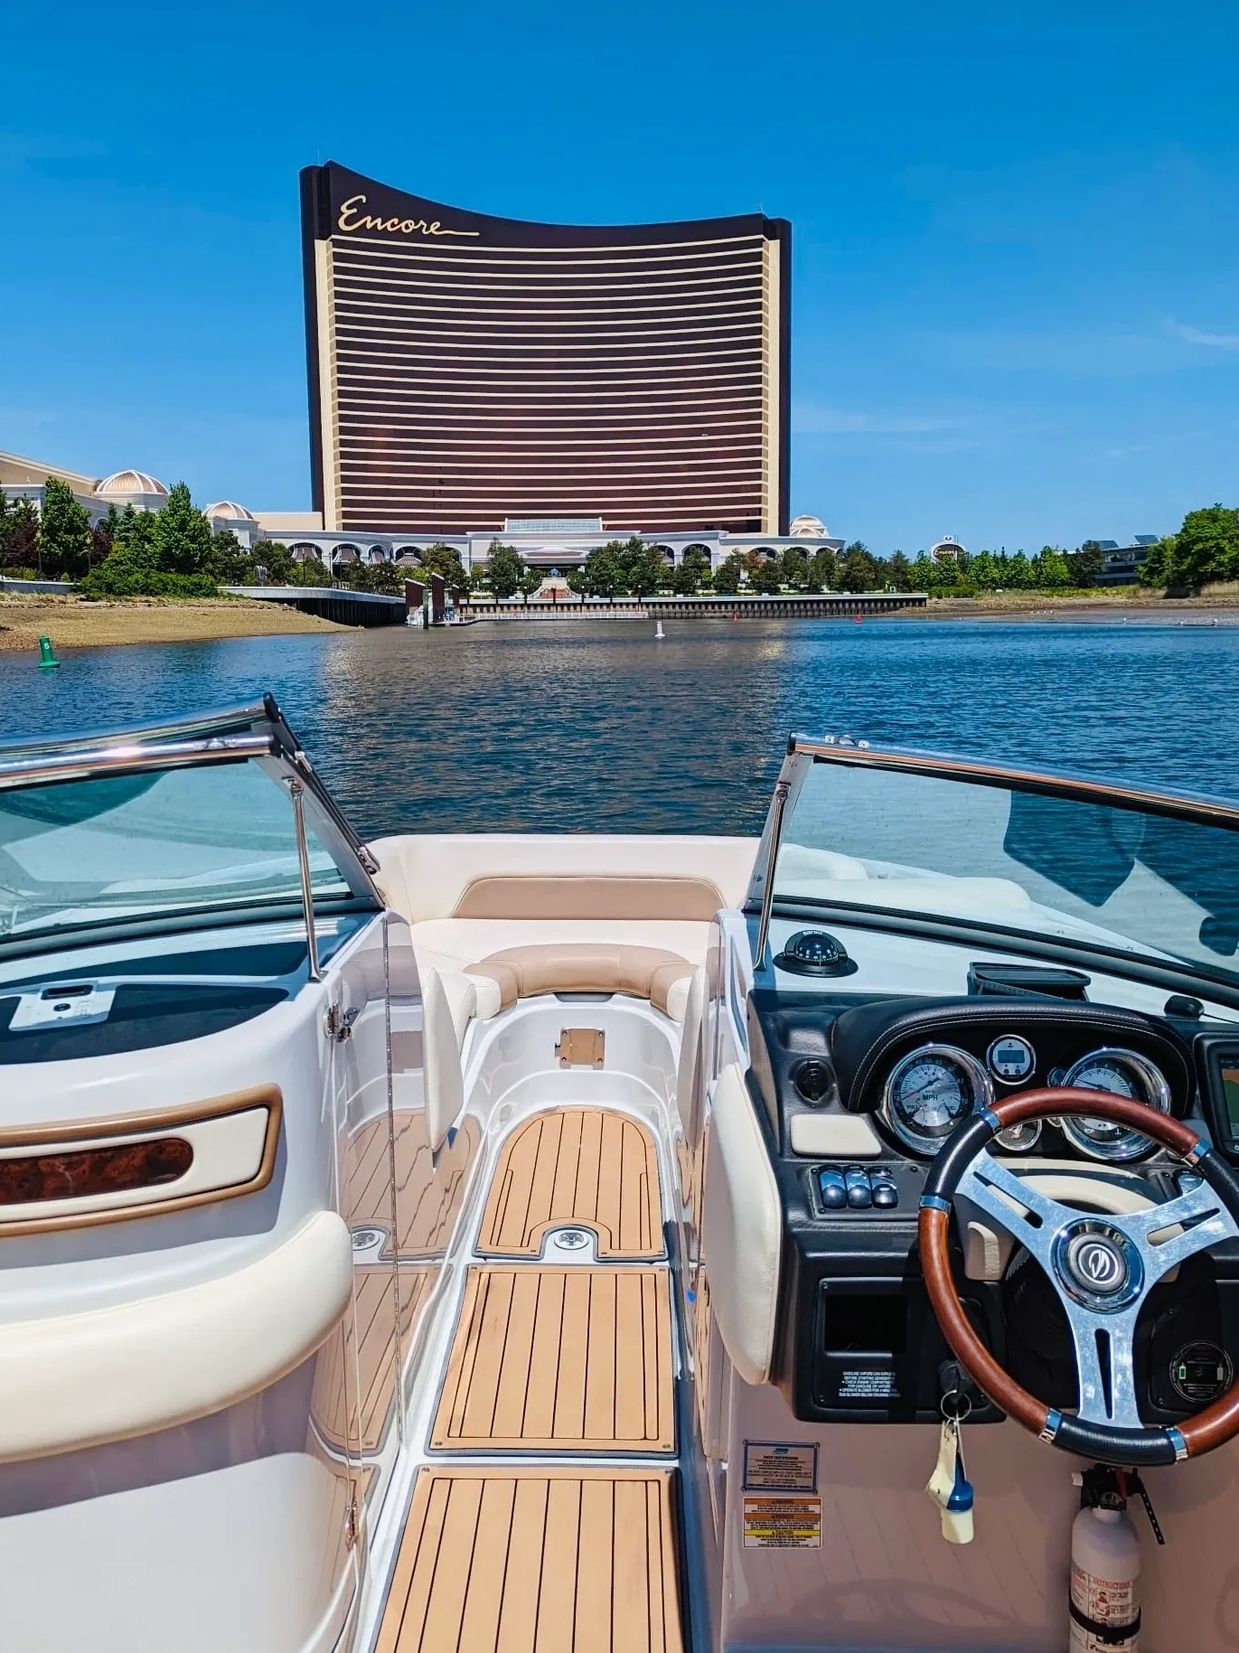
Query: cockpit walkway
x=565 y=1372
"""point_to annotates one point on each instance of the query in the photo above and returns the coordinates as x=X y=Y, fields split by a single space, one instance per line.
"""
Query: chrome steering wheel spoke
x=1032 y=1218
x=1105 y=1352
x=1171 y=1233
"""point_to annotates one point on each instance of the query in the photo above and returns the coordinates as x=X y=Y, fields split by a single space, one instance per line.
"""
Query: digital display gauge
x=1011 y=1059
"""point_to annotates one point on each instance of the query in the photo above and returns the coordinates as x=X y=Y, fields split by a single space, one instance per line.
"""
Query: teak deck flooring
x=536 y=1561
x=560 y=1359
x=427 y=1204
x=583 y=1166
x=376 y=1365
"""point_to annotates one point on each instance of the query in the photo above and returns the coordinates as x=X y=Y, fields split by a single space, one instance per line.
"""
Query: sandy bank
x=72 y=623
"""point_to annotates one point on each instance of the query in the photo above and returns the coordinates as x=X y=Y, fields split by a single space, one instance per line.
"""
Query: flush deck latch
x=581 y=1047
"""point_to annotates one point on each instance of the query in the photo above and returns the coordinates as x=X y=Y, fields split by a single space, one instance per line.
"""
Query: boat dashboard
x=858 y=1092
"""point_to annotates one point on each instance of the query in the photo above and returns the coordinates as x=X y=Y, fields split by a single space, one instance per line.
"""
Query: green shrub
x=118 y=576
x=20 y=574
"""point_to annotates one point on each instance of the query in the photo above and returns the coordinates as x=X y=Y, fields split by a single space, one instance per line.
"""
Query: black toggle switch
x=833 y=1189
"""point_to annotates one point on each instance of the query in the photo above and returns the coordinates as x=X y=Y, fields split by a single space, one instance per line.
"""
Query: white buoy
x=659 y=633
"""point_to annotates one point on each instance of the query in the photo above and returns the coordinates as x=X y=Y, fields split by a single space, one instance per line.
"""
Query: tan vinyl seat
x=588 y=967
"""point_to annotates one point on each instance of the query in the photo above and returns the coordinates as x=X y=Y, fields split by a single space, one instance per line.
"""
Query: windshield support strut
x=307 y=891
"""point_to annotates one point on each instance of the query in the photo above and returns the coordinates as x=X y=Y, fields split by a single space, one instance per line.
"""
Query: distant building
x=466 y=370
x=543 y=542
x=947 y=549
x=1121 y=564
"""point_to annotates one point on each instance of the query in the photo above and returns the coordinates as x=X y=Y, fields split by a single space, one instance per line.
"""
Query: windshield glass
x=180 y=841
x=1022 y=861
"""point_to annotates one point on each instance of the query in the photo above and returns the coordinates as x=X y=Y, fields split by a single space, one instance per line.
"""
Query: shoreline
x=73 y=623
x=1032 y=606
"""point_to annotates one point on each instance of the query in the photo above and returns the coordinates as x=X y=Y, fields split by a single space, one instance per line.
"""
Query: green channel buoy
x=47 y=660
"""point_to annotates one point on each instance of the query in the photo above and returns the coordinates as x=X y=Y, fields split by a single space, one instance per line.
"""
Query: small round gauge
x=1011 y=1059
x=1122 y=1073
x=929 y=1091
x=1020 y=1139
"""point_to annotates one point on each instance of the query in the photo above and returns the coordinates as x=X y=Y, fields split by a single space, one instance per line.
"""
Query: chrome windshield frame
x=256 y=733
x=803 y=751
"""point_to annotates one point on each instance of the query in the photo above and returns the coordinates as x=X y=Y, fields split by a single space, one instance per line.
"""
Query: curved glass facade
x=467 y=369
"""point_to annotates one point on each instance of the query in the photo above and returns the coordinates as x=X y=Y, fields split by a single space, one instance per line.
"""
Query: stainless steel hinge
x=339 y=1022
x=351 y=1519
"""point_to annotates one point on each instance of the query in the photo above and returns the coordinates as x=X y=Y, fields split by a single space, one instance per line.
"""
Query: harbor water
x=601 y=727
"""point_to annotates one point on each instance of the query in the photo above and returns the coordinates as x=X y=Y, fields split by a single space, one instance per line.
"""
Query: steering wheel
x=1102 y=1268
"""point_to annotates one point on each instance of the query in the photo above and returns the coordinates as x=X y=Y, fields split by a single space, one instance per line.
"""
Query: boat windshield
x=184 y=842
x=1079 y=863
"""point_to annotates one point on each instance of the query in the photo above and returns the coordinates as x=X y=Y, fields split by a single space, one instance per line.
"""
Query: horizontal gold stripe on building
x=583 y=286
x=641 y=252
x=536 y=310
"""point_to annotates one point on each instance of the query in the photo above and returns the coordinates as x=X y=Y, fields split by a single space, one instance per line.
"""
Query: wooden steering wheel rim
x=1216 y=1423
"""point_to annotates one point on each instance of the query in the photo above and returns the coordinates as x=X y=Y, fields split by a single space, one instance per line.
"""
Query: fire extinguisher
x=1105 y=1563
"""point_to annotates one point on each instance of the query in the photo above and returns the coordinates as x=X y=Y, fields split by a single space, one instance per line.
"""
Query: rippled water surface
x=598 y=727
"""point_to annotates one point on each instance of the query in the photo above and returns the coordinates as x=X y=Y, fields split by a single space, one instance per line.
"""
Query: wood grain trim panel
x=149 y=1124
x=572 y=1359
x=586 y=1167
x=558 y=1560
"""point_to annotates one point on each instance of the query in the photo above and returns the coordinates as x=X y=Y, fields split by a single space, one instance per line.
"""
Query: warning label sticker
x=780 y=1466
x=865 y=1383
x=782 y=1523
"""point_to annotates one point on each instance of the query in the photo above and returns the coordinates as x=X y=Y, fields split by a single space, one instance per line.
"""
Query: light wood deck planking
x=560 y=1359
x=427 y=1203
x=376 y=1364
x=585 y=1166
x=536 y=1561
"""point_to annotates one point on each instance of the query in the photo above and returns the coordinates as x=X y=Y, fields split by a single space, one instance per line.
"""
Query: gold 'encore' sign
x=352 y=219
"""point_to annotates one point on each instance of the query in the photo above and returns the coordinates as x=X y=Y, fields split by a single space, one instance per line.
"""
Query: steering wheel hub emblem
x=1098 y=1266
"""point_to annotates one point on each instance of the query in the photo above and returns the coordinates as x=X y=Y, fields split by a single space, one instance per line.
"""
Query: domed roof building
x=229 y=510
x=130 y=484
x=806 y=527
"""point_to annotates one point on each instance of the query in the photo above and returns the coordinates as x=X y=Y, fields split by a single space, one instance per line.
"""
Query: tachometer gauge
x=1122 y=1073
x=929 y=1091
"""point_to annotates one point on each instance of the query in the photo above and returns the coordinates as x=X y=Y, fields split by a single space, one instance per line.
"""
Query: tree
x=64 y=533
x=646 y=569
x=504 y=569
x=603 y=573
x=696 y=556
x=857 y=571
x=985 y=571
x=181 y=535
x=1049 y=569
x=764 y=575
x=444 y=560
x=795 y=568
x=134 y=535
x=899 y=572
x=1158 y=569
x=1086 y=564
x=729 y=574
x=686 y=580
x=22 y=535
x=824 y=570
x=227 y=562
x=1207 y=547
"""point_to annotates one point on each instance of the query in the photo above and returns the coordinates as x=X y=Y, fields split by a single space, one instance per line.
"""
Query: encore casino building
x=466 y=369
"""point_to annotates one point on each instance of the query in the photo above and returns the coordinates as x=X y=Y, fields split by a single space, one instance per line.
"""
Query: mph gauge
x=929 y=1091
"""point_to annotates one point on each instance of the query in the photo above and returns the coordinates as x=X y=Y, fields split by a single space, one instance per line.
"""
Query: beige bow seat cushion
x=589 y=967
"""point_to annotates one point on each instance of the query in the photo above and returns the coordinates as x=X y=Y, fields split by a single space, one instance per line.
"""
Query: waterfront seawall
x=827 y=605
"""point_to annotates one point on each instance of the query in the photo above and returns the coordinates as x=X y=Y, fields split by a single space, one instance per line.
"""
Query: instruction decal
x=780 y=1466
x=772 y=1523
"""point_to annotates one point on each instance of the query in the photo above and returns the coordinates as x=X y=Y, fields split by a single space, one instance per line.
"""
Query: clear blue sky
x=1016 y=267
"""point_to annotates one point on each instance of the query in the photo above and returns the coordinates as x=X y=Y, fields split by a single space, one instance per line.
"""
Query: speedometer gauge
x=929 y=1091
x=1121 y=1073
